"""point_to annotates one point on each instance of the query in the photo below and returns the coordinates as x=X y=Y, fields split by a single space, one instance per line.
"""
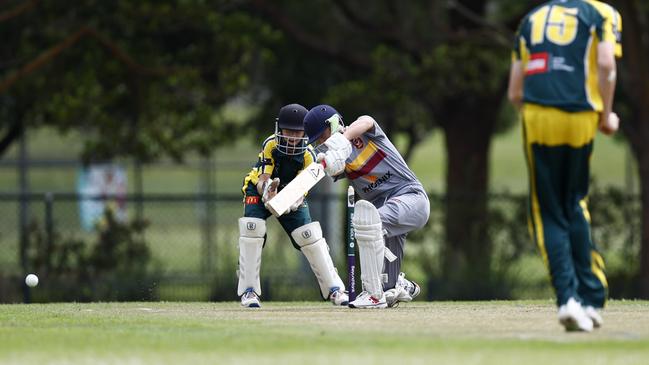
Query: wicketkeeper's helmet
x=318 y=119
x=291 y=117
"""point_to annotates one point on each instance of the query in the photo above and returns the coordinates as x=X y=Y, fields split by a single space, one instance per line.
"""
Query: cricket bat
x=294 y=190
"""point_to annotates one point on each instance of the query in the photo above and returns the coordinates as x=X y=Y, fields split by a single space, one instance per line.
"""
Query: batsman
x=393 y=203
x=283 y=155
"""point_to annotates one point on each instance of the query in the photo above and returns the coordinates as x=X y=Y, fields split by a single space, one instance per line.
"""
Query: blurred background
x=126 y=128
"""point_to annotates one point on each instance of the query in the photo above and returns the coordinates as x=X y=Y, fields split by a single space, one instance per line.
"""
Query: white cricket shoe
x=404 y=291
x=366 y=301
x=250 y=299
x=573 y=317
x=594 y=315
x=338 y=297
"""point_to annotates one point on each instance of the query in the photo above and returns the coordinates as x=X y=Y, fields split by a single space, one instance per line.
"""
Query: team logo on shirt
x=358 y=143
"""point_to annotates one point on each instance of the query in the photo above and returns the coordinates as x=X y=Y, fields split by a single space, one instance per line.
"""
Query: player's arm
x=515 y=87
x=361 y=125
x=339 y=147
x=263 y=179
x=607 y=72
x=266 y=187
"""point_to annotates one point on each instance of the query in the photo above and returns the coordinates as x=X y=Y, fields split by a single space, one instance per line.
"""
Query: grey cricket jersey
x=376 y=169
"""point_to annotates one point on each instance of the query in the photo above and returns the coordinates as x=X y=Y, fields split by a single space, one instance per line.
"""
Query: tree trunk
x=643 y=162
x=467 y=251
x=636 y=129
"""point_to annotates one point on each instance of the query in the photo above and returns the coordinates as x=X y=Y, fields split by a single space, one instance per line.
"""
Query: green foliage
x=615 y=226
x=117 y=266
x=146 y=79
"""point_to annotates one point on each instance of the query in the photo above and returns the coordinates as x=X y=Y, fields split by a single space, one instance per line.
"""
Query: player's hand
x=334 y=162
x=609 y=124
x=338 y=142
x=297 y=204
x=270 y=189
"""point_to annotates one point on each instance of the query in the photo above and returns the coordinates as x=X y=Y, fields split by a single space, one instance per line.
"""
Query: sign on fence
x=107 y=182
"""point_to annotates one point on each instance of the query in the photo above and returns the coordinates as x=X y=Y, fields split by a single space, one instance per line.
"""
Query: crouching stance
x=394 y=201
x=283 y=155
x=310 y=241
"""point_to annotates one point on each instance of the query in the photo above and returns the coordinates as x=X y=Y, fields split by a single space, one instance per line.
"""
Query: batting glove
x=338 y=142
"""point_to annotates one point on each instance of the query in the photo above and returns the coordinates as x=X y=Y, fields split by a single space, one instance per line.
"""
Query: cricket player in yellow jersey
x=283 y=155
x=562 y=78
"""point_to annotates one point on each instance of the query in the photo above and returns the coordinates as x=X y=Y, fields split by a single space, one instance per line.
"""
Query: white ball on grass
x=31 y=280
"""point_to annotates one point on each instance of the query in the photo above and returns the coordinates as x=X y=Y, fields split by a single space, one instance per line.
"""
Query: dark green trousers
x=254 y=208
x=558 y=148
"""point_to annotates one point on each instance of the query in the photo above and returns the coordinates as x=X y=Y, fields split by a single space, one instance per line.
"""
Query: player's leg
x=399 y=216
x=548 y=136
x=252 y=235
x=307 y=237
x=251 y=242
x=589 y=265
x=369 y=238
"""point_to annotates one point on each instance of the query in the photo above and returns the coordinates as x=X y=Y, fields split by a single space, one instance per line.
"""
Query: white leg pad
x=251 y=241
x=315 y=249
x=368 y=231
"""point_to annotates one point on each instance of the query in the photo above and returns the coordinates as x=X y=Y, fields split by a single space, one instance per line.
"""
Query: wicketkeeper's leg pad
x=251 y=242
x=368 y=231
x=315 y=249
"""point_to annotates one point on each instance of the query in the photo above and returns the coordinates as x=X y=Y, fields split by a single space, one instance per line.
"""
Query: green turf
x=317 y=333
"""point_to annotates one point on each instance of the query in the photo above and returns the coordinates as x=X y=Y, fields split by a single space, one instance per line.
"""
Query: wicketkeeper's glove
x=269 y=189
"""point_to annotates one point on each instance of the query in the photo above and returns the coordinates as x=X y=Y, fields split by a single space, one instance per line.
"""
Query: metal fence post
x=208 y=219
x=49 y=229
x=23 y=210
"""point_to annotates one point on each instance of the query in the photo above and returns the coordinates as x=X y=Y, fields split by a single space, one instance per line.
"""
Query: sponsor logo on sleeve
x=251 y=200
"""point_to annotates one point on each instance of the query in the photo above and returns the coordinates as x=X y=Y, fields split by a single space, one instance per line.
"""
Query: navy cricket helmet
x=290 y=117
x=318 y=119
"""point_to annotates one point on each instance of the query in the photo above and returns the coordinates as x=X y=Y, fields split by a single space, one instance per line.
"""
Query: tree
x=144 y=79
x=635 y=125
x=417 y=66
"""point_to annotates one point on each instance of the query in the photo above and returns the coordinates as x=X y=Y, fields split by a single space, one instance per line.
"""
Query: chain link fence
x=184 y=247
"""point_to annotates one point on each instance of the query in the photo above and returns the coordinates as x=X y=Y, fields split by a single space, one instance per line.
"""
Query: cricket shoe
x=574 y=318
x=338 y=297
x=594 y=315
x=250 y=299
x=404 y=291
x=366 y=301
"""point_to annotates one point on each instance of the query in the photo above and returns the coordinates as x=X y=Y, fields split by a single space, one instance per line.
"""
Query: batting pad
x=251 y=241
x=368 y=231
x=315 y=249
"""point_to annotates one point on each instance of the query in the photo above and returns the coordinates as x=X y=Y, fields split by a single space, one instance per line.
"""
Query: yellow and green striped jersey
x=557 y=45
x=277 y=164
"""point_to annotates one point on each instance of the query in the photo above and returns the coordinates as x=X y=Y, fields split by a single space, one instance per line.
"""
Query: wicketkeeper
x=394 y=201
x=283 y=155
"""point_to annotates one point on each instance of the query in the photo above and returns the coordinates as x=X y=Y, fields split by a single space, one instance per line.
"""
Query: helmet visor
x=290 y=144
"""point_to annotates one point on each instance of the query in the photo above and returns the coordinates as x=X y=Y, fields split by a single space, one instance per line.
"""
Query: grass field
x=523 y=332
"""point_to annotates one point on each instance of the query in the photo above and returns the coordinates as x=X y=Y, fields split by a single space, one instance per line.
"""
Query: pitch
x=513 y=332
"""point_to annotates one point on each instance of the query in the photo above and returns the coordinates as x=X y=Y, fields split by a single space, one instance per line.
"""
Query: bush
x=117 y=267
